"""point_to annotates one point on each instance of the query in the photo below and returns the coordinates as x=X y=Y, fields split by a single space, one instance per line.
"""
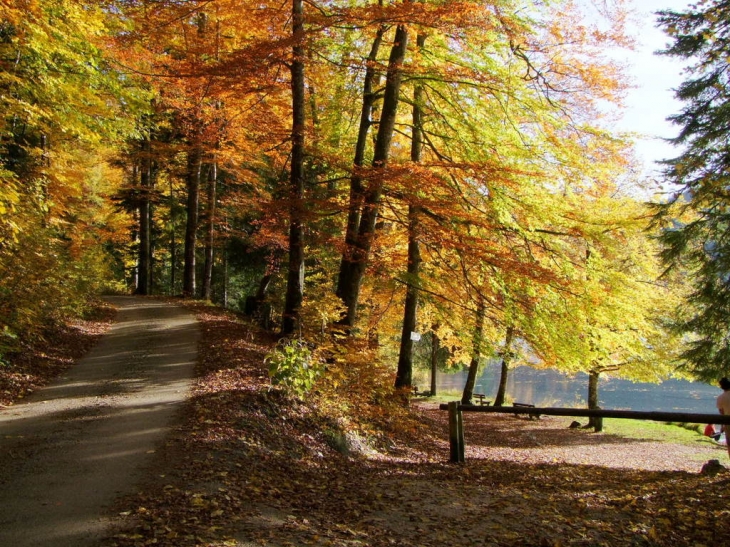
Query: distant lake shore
x=551 y=388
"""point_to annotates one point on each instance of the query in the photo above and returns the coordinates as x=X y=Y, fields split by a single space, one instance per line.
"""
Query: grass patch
x=445 y=396
x=656 y=431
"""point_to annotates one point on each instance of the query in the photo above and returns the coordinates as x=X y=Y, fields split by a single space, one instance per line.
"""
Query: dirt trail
x=69 y=450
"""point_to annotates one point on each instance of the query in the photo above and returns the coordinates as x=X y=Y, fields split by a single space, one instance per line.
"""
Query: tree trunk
x=593 y=378
x=224 y=297
x=476 y=355
x=254 y=303
x=144 y=256
x=404 y=374
x=210 y=232
x=295 y=277
x=173 y=241
x=435 y=346
x=356 y=187
x=355 y=262
x=191 y=228
x=506 y=358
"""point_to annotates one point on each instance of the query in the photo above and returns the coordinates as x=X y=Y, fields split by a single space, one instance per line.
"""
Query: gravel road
x=68 y=451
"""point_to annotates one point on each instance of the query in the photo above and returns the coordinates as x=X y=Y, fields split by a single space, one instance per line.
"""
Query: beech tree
x=62 y=115
x=355 y=260
x=295 y=278
x=427 y=157
x=620 y=316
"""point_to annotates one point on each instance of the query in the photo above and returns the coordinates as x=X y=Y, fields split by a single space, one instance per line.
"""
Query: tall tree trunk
x=173 y=241
x=355 y=262
x=194 y=168
x=224 y=298
x=144 y=257
x=506 y=358
x=295 y=277
x=476 y=355
x=435 y=347
x=135 y=233
x=356 y=186
x=210 y=231
x=404 y=374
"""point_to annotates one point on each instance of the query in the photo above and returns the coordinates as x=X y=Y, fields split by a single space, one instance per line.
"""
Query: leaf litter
x=250 y=466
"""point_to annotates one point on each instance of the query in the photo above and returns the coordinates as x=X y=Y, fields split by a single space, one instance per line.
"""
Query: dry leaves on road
x=35 y=364
x=251 y=466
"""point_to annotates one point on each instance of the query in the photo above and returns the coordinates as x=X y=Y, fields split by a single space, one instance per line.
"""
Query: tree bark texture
x=477 y=344
x=593 y=378
x=173 y=241
x=354 y=265
x=356 y=182
x=144 y=256
x=435 y=347
x=194 y=168
x=207 y=285
x=295 y=277
x=404 y=373
x=504 y=373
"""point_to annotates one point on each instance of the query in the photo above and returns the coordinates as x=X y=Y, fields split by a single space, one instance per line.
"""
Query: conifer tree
x=696 y=218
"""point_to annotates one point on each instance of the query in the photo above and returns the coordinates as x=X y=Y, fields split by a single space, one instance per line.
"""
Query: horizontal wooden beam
x=682 y=417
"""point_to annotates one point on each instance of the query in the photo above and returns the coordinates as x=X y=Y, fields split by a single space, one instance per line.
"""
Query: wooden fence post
x=456 y=433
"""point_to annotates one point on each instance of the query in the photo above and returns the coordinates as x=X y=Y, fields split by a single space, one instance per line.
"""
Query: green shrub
x=292 y=366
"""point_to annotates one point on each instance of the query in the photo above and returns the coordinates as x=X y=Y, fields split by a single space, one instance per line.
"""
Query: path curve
x=69 y=450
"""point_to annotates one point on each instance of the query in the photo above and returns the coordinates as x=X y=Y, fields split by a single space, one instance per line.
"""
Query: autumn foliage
x=296 y=161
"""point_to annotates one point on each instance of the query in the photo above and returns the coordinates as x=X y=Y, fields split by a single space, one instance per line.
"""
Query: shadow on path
x=71 y=448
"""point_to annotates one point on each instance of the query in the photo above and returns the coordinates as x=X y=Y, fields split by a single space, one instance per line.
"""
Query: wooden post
x=456 y=433
x=460 y=432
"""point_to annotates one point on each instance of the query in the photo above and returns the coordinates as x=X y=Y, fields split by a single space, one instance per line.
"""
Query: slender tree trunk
x=476 y=357
x=135 y=234
x=224 y=298
x=435 y=347
x=356 y=183
x=404 y=374
x=255 y=303
x=144 y=258
x=355 y=264
x=210 y=232
x=295 y=277
x=194 y=168
x=506 y=358
x=173 y=241
x=263 y=287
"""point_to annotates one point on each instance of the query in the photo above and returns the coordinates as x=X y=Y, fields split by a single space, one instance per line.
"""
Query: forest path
x=69 y=450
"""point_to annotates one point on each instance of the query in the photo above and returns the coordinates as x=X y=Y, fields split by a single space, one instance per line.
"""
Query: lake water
x=546 y=388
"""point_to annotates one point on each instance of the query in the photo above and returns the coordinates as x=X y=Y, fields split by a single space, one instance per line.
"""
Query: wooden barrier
x=456 y=432
x=456 y=420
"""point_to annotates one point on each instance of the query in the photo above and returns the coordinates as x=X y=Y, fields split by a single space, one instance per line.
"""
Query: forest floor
x=249 y=466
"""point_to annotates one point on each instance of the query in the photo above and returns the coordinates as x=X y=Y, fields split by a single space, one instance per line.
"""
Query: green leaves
x=292 y=366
